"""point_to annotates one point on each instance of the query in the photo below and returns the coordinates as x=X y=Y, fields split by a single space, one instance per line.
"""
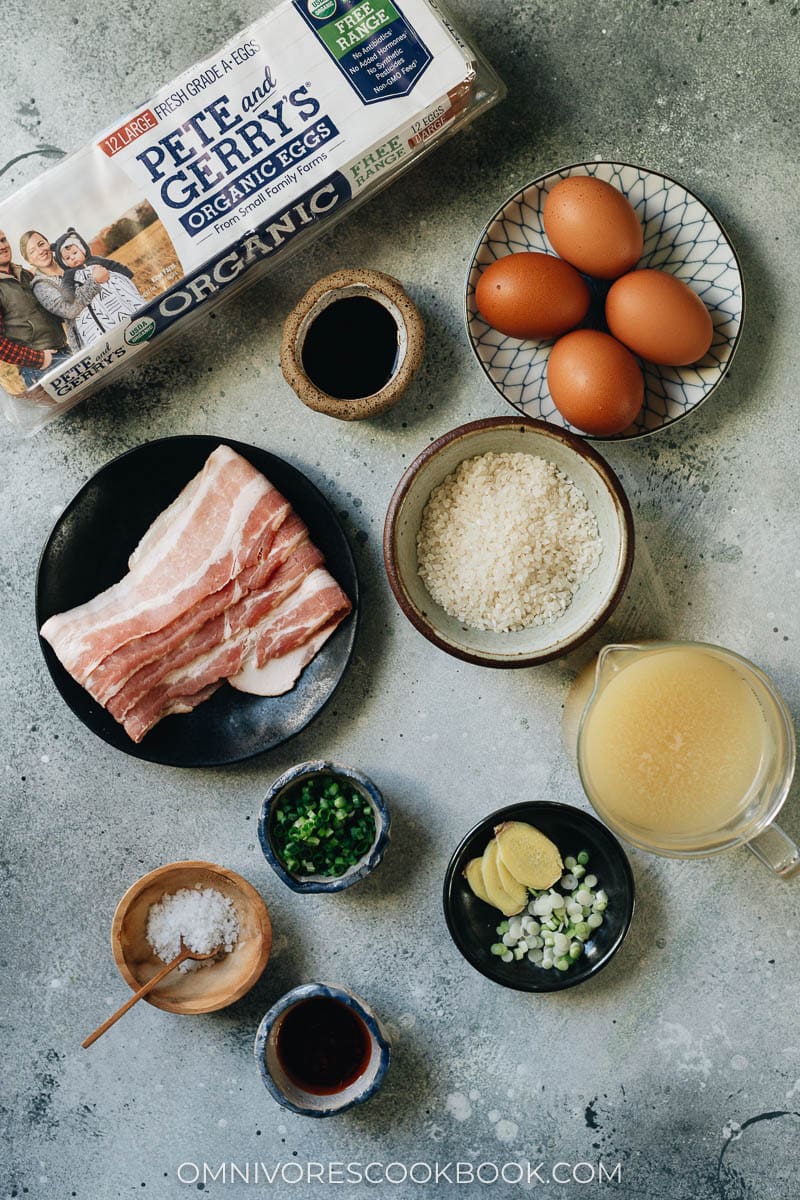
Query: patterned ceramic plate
x=680 y=235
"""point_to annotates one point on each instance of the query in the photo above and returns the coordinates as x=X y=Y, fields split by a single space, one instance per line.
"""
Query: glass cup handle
x=777 y=851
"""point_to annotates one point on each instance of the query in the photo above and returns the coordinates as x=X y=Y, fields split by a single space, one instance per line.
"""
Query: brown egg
x=659 y=317
x=531 y=295
x=592 y=225
x=595 y=383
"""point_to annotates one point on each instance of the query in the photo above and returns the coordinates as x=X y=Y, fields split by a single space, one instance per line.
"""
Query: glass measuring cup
x=735 y=776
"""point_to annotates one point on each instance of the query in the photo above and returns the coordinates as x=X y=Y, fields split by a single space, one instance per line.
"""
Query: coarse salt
x=202 y=917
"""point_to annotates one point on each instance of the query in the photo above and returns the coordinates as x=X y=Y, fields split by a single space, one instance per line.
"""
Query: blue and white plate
x=681 y=235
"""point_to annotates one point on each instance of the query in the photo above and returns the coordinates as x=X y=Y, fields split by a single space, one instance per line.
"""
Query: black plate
x=473 y=924
x=88 y=550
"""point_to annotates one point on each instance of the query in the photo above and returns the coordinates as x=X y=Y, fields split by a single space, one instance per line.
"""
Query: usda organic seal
x=140 y=331
x=321 y=8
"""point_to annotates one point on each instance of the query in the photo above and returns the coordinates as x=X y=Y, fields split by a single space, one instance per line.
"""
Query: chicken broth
x=673 y=744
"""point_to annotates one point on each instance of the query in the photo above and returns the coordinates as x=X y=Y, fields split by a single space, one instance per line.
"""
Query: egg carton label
x=220 y=173
x=371 y=42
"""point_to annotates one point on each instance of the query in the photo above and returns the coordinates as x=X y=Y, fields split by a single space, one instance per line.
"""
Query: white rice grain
x=506 y=541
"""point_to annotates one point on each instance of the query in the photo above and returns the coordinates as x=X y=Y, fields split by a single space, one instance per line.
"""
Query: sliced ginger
x=527 y=855
x=473 y=874
x=517 y=858
x=507 y=880
x=509 y=903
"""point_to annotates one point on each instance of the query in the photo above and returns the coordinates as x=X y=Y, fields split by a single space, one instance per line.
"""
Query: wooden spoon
x=148 y=987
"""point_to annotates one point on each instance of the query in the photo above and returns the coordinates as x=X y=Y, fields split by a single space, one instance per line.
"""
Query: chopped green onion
x=322 y=827
x=552 y=929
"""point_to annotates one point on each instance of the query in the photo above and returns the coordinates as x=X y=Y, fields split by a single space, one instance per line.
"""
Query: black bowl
x=473 y=924
x=88 y=550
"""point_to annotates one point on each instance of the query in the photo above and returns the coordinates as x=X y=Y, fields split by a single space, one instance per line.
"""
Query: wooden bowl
x=209 y=988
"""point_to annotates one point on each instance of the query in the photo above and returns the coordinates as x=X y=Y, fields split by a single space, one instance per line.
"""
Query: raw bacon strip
x=172 y=513
x=192 y=702
x=240 y=616
x=208 y=651
x=113 y=673
x=279 y=675
x=194 y=548
x=317 y=602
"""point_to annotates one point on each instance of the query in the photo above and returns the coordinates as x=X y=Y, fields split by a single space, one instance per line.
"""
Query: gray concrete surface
x=682 y=1061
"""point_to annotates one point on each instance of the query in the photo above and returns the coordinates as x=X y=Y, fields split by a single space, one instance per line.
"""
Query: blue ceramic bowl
x=288 y=1093
x=360 y=869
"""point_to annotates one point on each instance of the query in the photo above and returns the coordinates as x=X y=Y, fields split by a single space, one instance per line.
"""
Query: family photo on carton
x=64 y=299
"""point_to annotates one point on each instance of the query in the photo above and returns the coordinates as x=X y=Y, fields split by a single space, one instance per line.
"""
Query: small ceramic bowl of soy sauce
x=321 y=1049
x=352 y=345
x=287 y=784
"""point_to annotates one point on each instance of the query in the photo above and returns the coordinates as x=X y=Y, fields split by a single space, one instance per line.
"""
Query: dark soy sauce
x=350 y=349
x=323 y=1045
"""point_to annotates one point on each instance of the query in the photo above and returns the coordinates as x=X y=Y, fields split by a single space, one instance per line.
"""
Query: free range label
x=379 y=53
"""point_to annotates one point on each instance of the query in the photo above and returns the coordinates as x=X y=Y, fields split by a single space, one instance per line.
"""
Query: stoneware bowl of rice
x=207 y=906
x=508 y=542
